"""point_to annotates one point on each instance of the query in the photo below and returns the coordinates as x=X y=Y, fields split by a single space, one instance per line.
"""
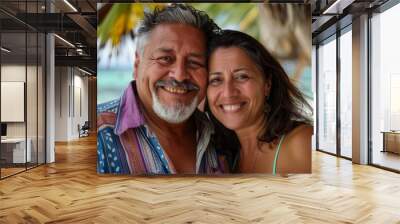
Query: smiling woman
x=252 y=100
x=236 y=86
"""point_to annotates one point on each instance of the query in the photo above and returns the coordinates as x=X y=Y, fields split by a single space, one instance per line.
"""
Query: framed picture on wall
x=196 y=89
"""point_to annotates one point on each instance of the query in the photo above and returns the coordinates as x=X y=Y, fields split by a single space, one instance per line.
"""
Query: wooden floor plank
x=70 y=191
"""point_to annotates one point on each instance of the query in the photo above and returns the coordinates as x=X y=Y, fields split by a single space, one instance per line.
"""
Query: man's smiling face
x=171 y=71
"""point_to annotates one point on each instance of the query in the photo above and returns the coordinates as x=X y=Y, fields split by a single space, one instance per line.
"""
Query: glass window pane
x=385 y=86
x=313 y=85
x=327 y=97
x=346 y=94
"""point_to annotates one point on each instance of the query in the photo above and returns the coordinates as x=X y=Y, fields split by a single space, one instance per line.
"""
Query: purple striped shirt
x=126 y=145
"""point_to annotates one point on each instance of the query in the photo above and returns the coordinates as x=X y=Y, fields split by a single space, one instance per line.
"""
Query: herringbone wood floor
x=70 y=191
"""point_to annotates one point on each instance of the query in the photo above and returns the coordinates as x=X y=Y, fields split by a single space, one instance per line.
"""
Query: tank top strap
x=277 y=154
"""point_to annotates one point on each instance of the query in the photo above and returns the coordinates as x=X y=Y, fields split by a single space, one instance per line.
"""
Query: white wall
x=71 y=94
x=62 y=81
x=81 y=84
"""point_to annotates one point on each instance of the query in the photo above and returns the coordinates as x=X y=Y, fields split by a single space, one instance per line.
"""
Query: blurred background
x=284 y=29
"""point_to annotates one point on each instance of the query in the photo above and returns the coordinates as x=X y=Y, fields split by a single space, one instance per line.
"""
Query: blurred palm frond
x=238 y=16
x=121 y=20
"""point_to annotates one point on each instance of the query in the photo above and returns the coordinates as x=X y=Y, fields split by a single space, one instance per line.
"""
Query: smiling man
x=155 y=127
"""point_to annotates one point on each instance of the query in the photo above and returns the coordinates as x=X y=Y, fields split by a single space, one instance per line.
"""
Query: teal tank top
x=276 y=155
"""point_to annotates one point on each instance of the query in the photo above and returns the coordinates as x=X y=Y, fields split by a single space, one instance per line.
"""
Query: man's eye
x=195 y=64
x=165 y=59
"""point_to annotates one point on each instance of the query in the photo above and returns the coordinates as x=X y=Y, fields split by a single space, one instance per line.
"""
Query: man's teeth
x=175 y=90
x=231 y=107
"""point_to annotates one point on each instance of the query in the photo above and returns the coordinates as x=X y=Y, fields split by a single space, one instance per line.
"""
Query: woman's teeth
x=231 y=107
x=175 y=90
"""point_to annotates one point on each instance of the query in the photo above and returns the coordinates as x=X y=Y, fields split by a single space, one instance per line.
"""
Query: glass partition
x=13 y=105
x=41 y=91
x=22 y=88
x=31 y=99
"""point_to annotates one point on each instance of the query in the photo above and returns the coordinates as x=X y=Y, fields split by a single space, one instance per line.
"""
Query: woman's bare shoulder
x=297 y=149
x=300 y=134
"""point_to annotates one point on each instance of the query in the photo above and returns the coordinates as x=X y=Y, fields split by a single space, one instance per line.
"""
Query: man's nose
x=179 y=71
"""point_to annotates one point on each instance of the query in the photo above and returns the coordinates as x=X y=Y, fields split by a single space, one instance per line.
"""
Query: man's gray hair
x=175 y=13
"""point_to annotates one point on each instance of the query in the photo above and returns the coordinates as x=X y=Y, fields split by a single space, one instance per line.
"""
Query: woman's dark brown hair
x=287 y=104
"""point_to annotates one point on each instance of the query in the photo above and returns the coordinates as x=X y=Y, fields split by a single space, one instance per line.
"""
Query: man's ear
x=267 y=87
x=136 y=65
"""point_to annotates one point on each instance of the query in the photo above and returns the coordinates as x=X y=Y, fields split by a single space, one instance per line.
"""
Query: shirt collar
x=129 y=113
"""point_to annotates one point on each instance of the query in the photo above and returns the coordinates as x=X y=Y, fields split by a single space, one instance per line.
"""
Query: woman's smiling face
x=236 y=88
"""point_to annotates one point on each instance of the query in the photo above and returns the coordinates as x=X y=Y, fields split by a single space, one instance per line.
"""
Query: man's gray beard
x=175 y=114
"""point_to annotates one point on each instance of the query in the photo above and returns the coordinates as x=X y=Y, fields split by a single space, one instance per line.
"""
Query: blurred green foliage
x=122 y=18
x=239 y=16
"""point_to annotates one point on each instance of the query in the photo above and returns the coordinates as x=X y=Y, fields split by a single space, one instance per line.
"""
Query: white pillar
x=50 y=100
x=360 y=90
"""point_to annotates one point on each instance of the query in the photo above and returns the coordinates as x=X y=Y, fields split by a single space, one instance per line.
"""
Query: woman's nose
x=229 y=89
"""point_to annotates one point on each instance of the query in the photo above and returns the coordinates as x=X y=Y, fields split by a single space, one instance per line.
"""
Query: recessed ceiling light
x=5 y=50
x=64 y=40
x=84 y=71
x=337 y=7
x=70 y=5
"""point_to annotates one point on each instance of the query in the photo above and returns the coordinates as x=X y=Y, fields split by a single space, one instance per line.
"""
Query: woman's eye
x=214 y=81
x=242 y=77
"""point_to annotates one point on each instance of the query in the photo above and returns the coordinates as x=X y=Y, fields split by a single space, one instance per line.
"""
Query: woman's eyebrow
x=215 y=73
x=240 y=69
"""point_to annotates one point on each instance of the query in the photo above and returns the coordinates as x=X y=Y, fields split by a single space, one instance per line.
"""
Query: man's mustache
x=187 y=85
